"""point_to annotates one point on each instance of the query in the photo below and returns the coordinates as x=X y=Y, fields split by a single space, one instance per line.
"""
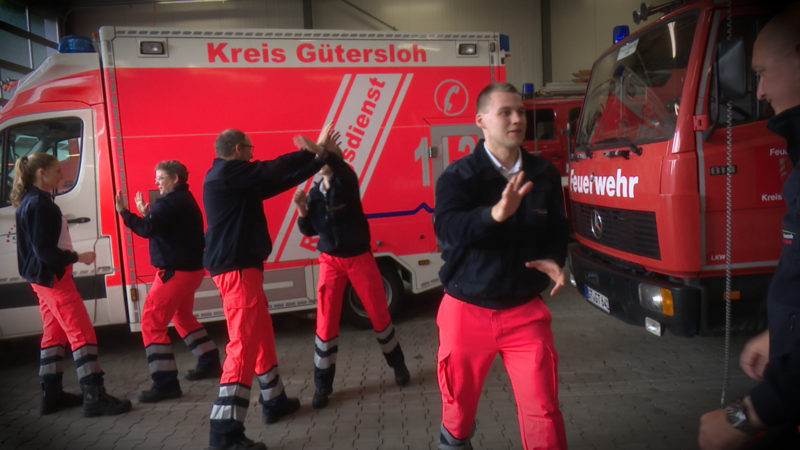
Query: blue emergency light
x=76 y=44
x=621 y=32
x=504 y=42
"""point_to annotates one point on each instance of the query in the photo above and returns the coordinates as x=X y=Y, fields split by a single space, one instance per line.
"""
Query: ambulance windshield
x=635 y=89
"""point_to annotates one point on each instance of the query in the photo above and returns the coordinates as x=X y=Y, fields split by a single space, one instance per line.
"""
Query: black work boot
x=239 y=442
x=323 y=381
x=397 y=361
x=320 y=399
x=156 y=394
x=54 y=398
x=278 y=407
x=208 y=366
x=96 y=402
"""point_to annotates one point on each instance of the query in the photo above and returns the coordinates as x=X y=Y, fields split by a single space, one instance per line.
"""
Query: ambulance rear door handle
x=79 y=220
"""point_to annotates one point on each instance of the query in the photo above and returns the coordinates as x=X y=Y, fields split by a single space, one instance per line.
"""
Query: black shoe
x=96 y=402
x=202 y=373
x=320 y=399
x=156 y=395
x=241 y=443
x=401 y=375
x=54 y=399
x=284 y=406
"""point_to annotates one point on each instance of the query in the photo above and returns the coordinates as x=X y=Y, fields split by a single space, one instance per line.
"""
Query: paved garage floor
x=620 y=388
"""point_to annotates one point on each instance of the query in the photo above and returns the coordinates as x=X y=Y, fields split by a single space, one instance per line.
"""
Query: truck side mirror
x=731 y=68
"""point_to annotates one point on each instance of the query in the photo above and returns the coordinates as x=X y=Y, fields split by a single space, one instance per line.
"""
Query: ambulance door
x=69 y=136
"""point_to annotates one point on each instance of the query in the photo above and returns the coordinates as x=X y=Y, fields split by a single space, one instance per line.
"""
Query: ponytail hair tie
x=25 y=159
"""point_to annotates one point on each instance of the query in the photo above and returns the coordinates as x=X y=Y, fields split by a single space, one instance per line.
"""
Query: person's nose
x=760 y=94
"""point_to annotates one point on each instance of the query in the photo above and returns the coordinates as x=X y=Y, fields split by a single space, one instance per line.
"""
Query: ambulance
x=403 y=103
x=672 y=141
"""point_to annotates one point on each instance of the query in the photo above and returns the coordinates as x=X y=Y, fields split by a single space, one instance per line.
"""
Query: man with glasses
x=237 y=244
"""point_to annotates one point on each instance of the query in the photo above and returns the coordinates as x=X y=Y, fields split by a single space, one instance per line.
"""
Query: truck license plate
x=597 y=299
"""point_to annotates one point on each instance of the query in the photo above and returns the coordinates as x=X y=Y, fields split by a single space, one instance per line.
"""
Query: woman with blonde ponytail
x=45 y=257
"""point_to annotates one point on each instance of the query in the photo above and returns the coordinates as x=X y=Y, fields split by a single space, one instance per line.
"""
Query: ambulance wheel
x=353 y=311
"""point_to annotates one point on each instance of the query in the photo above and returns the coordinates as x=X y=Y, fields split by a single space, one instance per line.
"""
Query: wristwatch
x=736 y=413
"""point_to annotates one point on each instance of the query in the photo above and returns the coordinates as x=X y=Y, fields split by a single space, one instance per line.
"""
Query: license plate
x=597 y=299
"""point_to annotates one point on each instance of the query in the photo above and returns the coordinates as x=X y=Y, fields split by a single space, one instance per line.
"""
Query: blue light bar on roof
x=76 y=44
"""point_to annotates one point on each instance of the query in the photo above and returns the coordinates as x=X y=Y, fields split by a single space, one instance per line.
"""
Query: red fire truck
x=665 y=108
x=402 y=102
x=552 y=122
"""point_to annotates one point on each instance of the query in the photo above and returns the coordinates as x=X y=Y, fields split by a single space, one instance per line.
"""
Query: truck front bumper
x=617 y=293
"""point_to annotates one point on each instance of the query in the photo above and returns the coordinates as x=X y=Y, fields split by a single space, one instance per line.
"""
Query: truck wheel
x=352 y=309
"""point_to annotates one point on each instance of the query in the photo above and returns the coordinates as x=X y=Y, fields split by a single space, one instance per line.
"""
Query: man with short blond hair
x=500 y=220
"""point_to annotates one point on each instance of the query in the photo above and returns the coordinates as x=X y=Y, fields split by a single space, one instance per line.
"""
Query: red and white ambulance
x=403 y=103
x=670 y=112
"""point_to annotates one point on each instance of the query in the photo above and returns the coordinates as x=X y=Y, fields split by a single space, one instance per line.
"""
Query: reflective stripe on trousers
x=65 y=320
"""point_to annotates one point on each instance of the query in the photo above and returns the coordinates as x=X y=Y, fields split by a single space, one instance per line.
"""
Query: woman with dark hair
x=45 y=257
x=174 y=226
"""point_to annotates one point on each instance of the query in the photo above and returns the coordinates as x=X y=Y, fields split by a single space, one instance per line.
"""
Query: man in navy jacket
x=333 y=211
x=773 y=357
x=500 y=221
x=237 y=243
x=174 y=226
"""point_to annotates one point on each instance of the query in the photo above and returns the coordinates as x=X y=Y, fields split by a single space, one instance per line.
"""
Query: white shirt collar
x=507 y=173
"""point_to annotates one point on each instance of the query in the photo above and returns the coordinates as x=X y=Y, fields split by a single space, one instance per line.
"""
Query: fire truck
x=401 y=101
x=552 y=122
x=675 y=181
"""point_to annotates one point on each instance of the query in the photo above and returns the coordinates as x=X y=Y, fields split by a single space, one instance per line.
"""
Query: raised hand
x=300 y=200
x=119 y=203
x=141 y=205
x=512 y=197
x=307 y=144
x=329 y=139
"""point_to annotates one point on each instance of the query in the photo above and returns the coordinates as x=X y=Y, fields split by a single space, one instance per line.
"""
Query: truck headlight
x=656 y=298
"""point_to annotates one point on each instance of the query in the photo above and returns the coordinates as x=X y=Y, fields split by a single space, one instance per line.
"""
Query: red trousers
x=251 y=345
x=363 y=274
x=469 y=339
x=173 y=300
x=65 y=320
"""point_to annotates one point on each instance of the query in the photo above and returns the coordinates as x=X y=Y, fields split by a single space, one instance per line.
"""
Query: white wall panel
x=230 y=14
x=520 y=19
x=582 y=30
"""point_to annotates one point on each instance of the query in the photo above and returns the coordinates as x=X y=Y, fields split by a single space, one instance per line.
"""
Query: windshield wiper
x=624 y=141
x=587 y=151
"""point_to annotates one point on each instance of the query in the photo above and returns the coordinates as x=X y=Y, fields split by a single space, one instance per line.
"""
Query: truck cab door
x=544 y=138
x=69 y=136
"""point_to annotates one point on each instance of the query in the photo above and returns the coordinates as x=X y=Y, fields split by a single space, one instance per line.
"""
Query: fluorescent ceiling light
x=190 y=1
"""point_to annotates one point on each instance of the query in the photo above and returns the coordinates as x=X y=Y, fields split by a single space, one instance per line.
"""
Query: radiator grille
x=622 y=229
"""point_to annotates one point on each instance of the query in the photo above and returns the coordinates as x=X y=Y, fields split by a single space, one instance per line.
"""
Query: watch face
x=735 y=415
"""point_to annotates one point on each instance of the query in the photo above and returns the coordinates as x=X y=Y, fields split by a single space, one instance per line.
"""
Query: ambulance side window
x=61 y=138
x=748 y=108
